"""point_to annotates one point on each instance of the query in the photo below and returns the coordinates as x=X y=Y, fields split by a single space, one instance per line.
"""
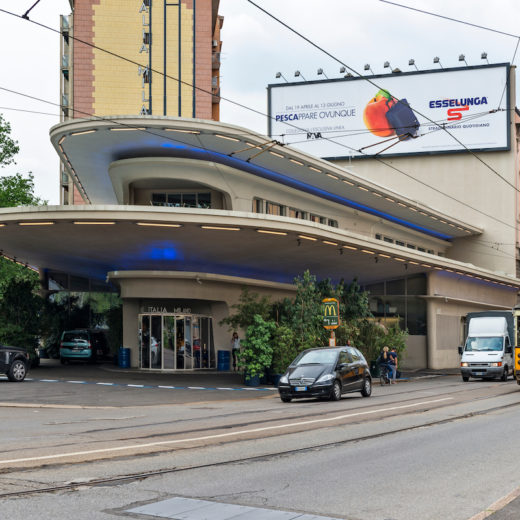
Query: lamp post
x=280 y=75
x=437 y=60
x=298 y=74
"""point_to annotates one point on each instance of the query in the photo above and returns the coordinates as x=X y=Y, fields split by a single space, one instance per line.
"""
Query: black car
x=14 y=362
x=326 y=373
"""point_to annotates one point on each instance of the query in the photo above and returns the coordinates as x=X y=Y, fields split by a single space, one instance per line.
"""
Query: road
x=429 y=448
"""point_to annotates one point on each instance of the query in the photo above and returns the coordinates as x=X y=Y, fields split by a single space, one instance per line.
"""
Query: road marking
x=497 y=506
x=77 y=382
x=165 y=386
x=136 y=386
x=222 y=435
x=106 y=384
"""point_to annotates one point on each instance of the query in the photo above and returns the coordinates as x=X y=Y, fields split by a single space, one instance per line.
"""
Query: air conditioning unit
x=214 y=43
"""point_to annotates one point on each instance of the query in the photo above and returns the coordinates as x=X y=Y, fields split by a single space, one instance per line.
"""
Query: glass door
x=169 y=346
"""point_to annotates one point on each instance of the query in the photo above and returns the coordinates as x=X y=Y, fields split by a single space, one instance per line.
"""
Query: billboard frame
x=506 y=65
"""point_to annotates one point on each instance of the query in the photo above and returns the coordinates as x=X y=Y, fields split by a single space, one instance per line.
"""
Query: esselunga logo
x=385 y=116
x=457 y=106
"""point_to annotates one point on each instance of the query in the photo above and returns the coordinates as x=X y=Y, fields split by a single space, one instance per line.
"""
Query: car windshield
x=321 y=357
x=492 y=344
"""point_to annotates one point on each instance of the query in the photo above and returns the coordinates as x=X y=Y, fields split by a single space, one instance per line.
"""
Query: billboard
x=435 y=111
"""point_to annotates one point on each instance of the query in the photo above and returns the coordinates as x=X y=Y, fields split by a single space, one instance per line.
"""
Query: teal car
x=82 y=345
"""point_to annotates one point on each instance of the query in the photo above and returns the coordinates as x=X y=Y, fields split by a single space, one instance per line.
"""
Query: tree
x=15 y=191
x=8 y=147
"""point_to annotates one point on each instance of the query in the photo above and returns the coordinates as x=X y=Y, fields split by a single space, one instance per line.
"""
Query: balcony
x=215 y=61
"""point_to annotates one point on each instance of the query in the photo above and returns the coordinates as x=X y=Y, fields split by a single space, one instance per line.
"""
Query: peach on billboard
x=397 y=114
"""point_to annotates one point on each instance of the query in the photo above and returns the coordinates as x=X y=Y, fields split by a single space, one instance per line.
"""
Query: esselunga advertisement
x=403 y=113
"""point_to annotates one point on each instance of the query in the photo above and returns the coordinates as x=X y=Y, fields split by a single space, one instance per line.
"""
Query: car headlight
x=284 y=380
x=327 y=378
x=463 y=364
x=499 y=364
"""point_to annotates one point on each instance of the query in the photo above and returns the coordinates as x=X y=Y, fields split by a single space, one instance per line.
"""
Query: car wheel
x=504 y=374
x=17 y=371
x=366 y=391
x=285 y=399
x=465 y=378
x=335 y=393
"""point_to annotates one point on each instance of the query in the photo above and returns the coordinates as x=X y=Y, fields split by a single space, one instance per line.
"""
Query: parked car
x=83 y=345
x=326 y=373
x=14 y=362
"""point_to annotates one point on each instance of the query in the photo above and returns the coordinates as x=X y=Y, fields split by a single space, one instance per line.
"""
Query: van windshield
x=484 y=344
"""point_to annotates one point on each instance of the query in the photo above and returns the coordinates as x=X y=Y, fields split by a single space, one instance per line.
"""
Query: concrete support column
x=130 y=330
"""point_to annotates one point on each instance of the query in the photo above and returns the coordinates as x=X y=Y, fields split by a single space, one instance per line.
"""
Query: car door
x=358 y=367
x=345 y=371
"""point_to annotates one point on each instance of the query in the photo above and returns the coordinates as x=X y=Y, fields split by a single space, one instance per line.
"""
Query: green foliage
x=20 y=314
x=257 y=351
x=8 y=147
x=284 y=349
x=306 y=314
x=15 y=190
x=250 y=305
x=354 y=301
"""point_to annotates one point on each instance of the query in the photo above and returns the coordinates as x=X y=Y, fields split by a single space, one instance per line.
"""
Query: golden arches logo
x=330 y=309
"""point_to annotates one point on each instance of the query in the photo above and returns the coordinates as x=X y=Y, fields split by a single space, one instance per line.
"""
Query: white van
x=487 y=352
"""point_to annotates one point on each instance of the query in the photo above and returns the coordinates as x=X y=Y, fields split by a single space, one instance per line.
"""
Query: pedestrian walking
x=235 y=349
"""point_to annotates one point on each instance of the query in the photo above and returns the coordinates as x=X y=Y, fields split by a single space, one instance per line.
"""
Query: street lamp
x=411 y=63
x=367 y=67
x=320 y=72
x=280 y=75
x=483 y=56
x=462 y=58
x=298 y=73
x=437 y=60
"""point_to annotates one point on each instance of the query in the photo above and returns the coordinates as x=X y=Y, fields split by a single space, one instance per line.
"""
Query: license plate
x=479 y=373
x=300 y=388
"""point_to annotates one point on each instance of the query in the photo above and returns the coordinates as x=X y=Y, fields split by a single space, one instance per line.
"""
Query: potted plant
x=257 y=350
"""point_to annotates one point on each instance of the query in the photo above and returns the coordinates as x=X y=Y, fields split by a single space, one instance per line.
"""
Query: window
x=399 y=243
x=258 y=206
x=388 y=239
x=182 y=200
x=355 y=354
x=333 y=223
x=273 y=209
x=296 y=213
x=411 y=246
x=379 y=236
x=317 y=219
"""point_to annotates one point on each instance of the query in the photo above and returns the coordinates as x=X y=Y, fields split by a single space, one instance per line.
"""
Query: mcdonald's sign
x=330 y=313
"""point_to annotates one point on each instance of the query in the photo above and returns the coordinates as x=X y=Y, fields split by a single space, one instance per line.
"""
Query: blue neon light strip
x=302 y=186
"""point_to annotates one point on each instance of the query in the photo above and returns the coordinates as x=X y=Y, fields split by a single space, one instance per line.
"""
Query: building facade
x=139 y=57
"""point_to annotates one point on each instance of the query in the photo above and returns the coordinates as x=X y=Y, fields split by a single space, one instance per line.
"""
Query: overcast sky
x=255 y=48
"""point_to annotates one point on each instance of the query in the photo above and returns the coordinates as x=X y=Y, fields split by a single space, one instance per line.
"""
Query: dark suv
x=14 y=362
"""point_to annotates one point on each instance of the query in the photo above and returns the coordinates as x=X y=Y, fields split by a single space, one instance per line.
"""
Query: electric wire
x=244 y=107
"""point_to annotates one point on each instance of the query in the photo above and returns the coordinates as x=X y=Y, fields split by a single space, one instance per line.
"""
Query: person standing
x=393 y=364
x=235 y=349
x=384 y=364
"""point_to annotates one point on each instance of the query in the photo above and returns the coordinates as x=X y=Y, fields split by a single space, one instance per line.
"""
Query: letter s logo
x=454 y=114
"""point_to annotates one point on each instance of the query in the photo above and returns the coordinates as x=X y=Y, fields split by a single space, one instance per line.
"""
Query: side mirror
x=509 y=349
x=341 y=366
x=460 y=350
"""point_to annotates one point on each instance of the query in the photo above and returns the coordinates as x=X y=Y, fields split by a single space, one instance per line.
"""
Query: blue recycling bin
x=223 y=360
x=123 y=357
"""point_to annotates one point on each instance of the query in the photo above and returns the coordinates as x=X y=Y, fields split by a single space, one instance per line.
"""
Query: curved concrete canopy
x=92 y=240
x=90 y=147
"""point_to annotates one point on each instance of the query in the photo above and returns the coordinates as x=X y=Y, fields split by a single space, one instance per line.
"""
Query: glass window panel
x=155 y=342
x=189 y=200
x=168 y=342
x=416 y=285
x=273 y=209
x=174 y=200
x=416 y=316
x=258 y=206
x=158 y=199
x=375 y=288
x=204 y=200
x=395 y=287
